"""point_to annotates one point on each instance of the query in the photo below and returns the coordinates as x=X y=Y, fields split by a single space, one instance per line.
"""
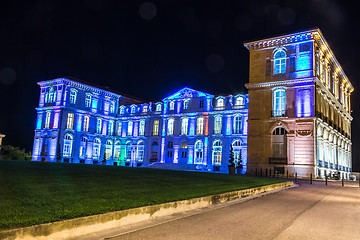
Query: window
x=68 y=142
x=239 y=101
x=50 y=96
x=278 y=140
x=279 y=62
x=199 y=146
x=112 y=107
x=140 y=151
x=83 y=145
x=156 y=127
x=279 y=103
x=133 y=109
x=111 y=128
x=170 y=129
x=96 y=148
x=145 y=109
x=94 y=104
x=128 y=151
x=220 y=102
x=217 y=152
x=184 y=126
x=122 y=110
x=154 y=152
x=169 y=147
x=108 y=149
x=47 y=119
x=237 y=124
x=201 y=103
x=142 y=128
x=98 y=126
x=130 y=128
x=119 y=128
x=72 y=97
x=86 y=123
x=87 y=99
x=186 y=104
x=117 y=150
x=200 y=126
x=184 y=147
x=217 y=125
x=236 y=145
x=158 y=107
x=172 y=105
x=70 y=121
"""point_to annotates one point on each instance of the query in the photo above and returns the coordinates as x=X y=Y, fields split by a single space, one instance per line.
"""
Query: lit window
x=186 y=104
x=145 y=108
x=199 y=146
x=83 y=146
x=133 y=109
x=279 y=103
x=94 y=104
x=217 y=123
x=158 y=107
x=108 y=149
x=96 y=148
x=220 y=102
x=117 y=149
x=279 y=62
x=169 y=147
x=142 y=128
x=98 y=126
x=184 y=126
x=112 y=106
x=72 y=97
x=111 y=128
x=170 y=129
x=47 y=119
x=217 y=152
x=128 y=151
x=50 y=96
x=119 y=128
x=88 y=100
x=68 y=142
x=172 y=105
x=130 y=128
x=140 y=151
x=156 y=127
x=200 y=126
x=239 y=101
x=237 y=124
x=86 y=123
x=70 y=121
x=278 y=140
x=122 y=110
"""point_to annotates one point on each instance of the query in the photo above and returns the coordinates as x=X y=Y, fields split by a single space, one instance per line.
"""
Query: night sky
x=150 y=49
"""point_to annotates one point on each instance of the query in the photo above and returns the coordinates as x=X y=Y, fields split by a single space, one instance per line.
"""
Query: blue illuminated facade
x=79 y=122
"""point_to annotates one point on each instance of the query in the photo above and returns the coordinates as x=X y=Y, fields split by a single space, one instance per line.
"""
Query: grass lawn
x=38 y=192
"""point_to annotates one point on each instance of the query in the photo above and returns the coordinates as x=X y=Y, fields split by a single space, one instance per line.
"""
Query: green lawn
x=38 y=192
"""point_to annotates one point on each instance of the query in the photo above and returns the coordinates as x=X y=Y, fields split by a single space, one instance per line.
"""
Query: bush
x=9 y=152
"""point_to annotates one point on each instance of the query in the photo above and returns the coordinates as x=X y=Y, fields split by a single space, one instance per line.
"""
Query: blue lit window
x=112 y=107
x=220 y=102
x=86 y=123
x=217 y=152
x=70 y=121
x=128 y=151
x=217 y=125
x=200 y=126
x=186 y=104
x=122 y=110
x=72 y=97
x=140 y=151
x=133 y=109
x=83 y=147
x=280 y=62
x=130 y=128
x=68 y=142
x=184 y=126
x=111 y=128
x=170 y=129
x=158 y=107
x=87 y=99
x=169 y=147
x=117 y=149
x=119 y=128
x=98 y=126
x=47 y=119
x=94 y=104
x=199 y=147
x=279 y=103
x=50 y=96
x=172 y=105
x=237 y=124
x=142 y=128
x=96 y=148
x=108 y=149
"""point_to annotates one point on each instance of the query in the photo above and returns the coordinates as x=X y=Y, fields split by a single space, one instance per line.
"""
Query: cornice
x=291 y=82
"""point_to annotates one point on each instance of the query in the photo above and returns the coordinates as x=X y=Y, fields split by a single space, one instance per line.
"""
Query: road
x=306 y=212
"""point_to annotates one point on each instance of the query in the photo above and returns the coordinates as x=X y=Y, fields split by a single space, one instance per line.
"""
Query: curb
x=85 y=225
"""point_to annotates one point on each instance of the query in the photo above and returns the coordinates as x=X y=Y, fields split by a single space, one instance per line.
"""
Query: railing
x=279 y=113
x=277 y=160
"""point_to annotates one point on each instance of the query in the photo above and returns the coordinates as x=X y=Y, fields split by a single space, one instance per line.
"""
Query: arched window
x=112 y=106
x=87 y=99
x=50 y=96
x=117 y=149
x=200 y=126
x=154 y=152
x=108 y=149
x=199 y=148
x=186 y=103
x=140 y=151
x=279 y=103
x=133 y=109
x=96 y=148
x=86 y=123
x=184 y=126
x=172 y=105
x=278 y=140
x=68 y=142
x=70 y=121
x=280 y=62
x=72 y=97
x=217 y=152
x=122 y=110
x=83 y=147
x=237 y=124
x=170 y=129
x=184 y=146
x=217 y=125
x=237 y=150
x=220 y=102
x=169 y=147
x=239 y=101
x=142 y=128
x=158 y=107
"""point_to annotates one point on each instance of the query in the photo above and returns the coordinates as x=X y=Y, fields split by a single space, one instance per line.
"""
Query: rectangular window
x=186 y=104
x=98 y=126
x=72 y=97
x=94 y=104
x=217 y=127
x=142 y=128
x=170 y=127
x=201 y=103
x=119 y=128
x=200 y=126
x=111 y=128
x=47 y=119
x=292 y=64
x=88 y=100
x=86 y=123
x=112 y=107
x=130 y=128
x=184 y=126
x=156 y=128
x=70 y=121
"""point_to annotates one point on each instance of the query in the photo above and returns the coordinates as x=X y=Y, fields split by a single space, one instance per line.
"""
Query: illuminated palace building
x=296 y=118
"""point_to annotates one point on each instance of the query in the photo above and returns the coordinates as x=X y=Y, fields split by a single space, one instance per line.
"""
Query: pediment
x=187 y=93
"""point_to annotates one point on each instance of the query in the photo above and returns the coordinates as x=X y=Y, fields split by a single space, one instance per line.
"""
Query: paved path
x=305 y=212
